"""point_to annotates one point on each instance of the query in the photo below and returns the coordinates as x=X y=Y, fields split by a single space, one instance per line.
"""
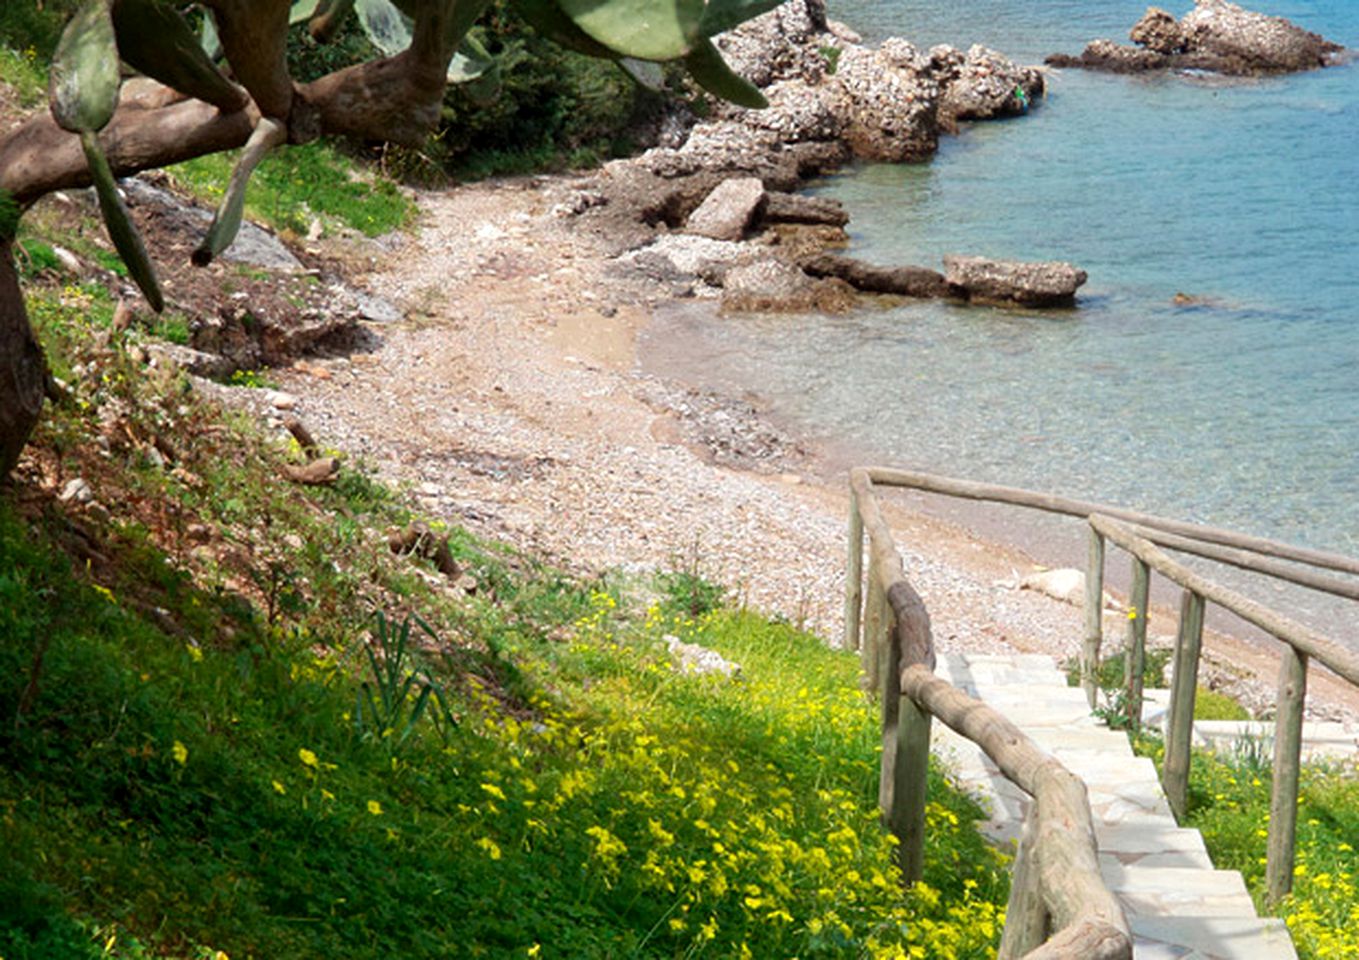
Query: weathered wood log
x=1052 y=503
x=1180 y=724
x=301 y=434
x=1283 y=800
x=319 y=472
x=1026 y=918
x=903 y=281
x=419 y=539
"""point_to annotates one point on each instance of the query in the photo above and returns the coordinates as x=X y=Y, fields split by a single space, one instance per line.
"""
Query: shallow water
x=1241 y=411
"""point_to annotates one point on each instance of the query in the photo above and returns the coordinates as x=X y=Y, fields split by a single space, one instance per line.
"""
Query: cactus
x=126 y=240
x=707 y=67
x=268 y=133
x=83 y=89
x=390 y=30
x=155 y=39
x=642 y=29
x=722 y=15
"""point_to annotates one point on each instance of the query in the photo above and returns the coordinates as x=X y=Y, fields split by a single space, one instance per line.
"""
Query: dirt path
x=510 y=402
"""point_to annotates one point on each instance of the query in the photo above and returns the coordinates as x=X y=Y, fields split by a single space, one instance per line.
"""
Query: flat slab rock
x=729 y=210
x=1045 y=283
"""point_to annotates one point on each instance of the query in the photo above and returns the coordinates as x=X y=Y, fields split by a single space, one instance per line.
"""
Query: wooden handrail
x=1057 y=884
x=1052 y=503
x=898 y=654
x=1341 y=661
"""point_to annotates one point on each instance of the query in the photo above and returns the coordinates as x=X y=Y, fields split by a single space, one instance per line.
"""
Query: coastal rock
x=1160 y=32
x=253 y=246
x=982 y=84
x=890 y=102
x=729 y=210
x=902 y=281
x=1048 y=283
x=775 y=286
x=783 y=207
x=779 y=45
x=1109 y=57
x=1251 y=42
x=1216 y=36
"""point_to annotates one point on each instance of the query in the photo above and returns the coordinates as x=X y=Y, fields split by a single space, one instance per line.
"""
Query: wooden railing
x=1300 y=646
x=1057 y=885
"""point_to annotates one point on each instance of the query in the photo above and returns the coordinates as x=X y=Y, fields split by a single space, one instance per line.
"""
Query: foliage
x=1229 y=797
x=292 y=187
x=180 y=771
x=554 y=107
x=394 y=696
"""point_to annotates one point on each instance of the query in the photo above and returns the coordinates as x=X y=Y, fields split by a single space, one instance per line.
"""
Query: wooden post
x=890 y=672
x=1094 y=617
x=877 y=614
x=854 y=576
x=1135 y=650
x=911 y=791
x=1026 y=918
x=1180 y=727
x=1283 y=803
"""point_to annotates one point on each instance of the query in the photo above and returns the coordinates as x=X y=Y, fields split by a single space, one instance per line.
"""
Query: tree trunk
x=23 y=371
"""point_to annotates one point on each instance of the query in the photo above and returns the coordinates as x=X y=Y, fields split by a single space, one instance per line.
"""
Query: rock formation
x=1215 y=36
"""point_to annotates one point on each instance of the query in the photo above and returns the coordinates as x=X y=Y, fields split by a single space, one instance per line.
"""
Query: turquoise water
x=1242 y=410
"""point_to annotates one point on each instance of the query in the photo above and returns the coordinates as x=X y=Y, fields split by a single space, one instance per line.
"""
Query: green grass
x=184 y=770
x=298 y=183
x=1229 y=797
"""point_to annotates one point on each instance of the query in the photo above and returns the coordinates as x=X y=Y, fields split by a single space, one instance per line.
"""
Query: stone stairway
x=1178 y=906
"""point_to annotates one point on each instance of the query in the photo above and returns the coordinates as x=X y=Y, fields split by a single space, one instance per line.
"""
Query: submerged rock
x=1215 y=36
x=1041 y=284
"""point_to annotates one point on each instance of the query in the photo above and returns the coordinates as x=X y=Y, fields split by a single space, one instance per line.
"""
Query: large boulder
x=1159 y=31
x=890 y=102
x=1215 y=36
x=982 y=84
x=1250 y=42
x=729 y=210
x=1042 y=284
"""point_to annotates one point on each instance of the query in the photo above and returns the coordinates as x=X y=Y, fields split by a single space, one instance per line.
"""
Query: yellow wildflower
x=181 y=753
x=375 y=808
x=307 y=757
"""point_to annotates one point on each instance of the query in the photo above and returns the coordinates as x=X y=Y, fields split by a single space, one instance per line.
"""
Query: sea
x=1239 y=408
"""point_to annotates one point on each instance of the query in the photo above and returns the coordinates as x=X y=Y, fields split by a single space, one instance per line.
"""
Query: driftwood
x=319 y=472
x=301 y=434
x=419 y=539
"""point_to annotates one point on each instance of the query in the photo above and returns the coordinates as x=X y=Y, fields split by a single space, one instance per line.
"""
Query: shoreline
x=511 y=401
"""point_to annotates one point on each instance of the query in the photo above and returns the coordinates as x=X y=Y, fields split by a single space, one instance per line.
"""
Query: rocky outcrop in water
x=1215 y=36
x=832 y=99
x=1050 y=283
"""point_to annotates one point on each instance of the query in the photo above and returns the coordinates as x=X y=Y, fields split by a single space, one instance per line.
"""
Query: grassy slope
x=184 y=769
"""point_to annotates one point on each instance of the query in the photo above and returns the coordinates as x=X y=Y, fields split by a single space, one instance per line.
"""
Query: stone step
x=1152 y=845
x=1178 y=906
x=1210 y=938
x=1179 y=892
